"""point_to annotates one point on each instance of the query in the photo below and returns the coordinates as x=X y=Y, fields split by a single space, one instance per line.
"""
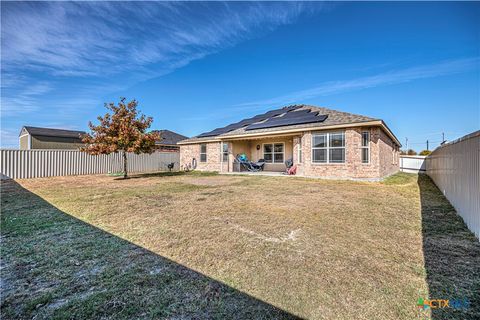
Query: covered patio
x=273 y=150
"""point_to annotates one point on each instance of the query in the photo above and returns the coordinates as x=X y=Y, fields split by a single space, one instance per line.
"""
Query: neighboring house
x=47 y=138
x=168 y=140
x=322 y=143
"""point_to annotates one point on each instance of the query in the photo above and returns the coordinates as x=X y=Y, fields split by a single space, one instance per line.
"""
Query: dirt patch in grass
x=296 y=247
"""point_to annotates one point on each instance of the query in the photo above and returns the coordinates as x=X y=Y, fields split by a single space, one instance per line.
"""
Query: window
x=203 y=152
x=273 y=152
x=225 y=152
x=328 y=147
x=365 y=147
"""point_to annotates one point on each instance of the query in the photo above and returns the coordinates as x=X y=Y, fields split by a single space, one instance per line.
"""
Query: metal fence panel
x=21 y=164
x=455 y=169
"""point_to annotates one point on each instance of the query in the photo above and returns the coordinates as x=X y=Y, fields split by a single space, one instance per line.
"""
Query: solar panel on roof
x=247 y=122
x=291 y=118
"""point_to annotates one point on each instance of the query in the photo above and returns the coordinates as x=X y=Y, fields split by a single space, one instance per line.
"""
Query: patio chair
x=289 y=163
x=247 y=165
x=259 y=164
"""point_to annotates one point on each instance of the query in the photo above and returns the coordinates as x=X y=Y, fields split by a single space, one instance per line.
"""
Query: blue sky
x=196 y=66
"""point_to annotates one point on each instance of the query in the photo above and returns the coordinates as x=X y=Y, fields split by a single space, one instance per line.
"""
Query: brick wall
x=383 y=156
x=192 y=151
x=389 y=155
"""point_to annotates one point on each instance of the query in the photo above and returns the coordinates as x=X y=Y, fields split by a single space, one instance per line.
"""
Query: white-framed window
x=273 y=152
x=203 y=152
x=328 y=147
x=365 y=148
x=225 y=151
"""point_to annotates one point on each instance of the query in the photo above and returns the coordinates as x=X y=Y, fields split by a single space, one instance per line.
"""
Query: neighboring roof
x=50 y=132
x=168 y=137
x=334 y=118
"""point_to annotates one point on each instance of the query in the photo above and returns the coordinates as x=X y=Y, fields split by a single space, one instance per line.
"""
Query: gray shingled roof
x=168 y=137
x=50 y=132
x=334 y=118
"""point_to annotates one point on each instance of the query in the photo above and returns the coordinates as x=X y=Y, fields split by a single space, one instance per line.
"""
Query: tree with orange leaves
x=122 y=131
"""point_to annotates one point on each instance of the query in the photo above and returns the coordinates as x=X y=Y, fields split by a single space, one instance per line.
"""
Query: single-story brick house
x=320 y=141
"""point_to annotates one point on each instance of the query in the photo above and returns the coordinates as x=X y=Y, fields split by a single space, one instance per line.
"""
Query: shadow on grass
x=56 y=266
x=451 y=253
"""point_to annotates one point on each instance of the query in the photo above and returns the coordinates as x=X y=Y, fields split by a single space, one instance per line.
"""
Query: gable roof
x=169 y=137
x=50 y=132
x=333 y=118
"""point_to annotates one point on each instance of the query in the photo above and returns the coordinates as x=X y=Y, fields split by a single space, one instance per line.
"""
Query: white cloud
x=60 y=57
x=102 y=38
x=383 y=79
x=25 y=100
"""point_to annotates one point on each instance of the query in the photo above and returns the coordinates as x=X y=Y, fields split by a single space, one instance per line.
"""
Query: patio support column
x=231 y=157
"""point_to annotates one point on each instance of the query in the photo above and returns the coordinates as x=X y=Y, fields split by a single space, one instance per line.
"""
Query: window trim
x=205 y=153
x=365 y=147
x=328 y=148
x=224 y=153
x=273 y=152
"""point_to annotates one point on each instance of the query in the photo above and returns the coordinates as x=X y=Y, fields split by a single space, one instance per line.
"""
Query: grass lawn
x=196 y=246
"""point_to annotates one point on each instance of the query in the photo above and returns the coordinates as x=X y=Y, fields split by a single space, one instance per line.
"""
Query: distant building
x=47 y=138
x=168 y=141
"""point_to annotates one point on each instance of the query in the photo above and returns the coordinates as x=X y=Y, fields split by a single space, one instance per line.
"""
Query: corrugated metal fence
x=412 y=164
x=455 y=169
x=20 y=164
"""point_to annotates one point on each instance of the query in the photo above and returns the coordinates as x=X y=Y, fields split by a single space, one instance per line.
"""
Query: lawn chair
x=289 y=165
x=247 y=165
x=260 y=164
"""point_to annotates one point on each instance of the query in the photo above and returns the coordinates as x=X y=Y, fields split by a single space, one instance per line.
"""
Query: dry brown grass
x=316 y=249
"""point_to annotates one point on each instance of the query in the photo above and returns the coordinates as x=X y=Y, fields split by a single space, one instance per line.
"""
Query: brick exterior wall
x=389 y=155
x=383 y=156
x=192 y=151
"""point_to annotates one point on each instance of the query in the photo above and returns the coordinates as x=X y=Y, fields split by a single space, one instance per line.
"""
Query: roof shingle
x=50 y=132
x=168 y=137
x=334 y=118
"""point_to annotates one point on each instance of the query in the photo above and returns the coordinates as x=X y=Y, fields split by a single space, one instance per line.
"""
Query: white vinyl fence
x=455 y=169
x=20 y=164
x=412 y=164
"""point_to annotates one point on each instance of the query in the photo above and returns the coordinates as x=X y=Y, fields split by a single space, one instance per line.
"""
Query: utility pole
x=427 y=145
x=406 y=144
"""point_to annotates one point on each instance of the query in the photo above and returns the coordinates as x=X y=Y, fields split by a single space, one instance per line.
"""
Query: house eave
x=296 y=130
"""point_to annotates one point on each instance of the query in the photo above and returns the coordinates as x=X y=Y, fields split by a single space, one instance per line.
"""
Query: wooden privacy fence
x=455 y=169
x=20 y=164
